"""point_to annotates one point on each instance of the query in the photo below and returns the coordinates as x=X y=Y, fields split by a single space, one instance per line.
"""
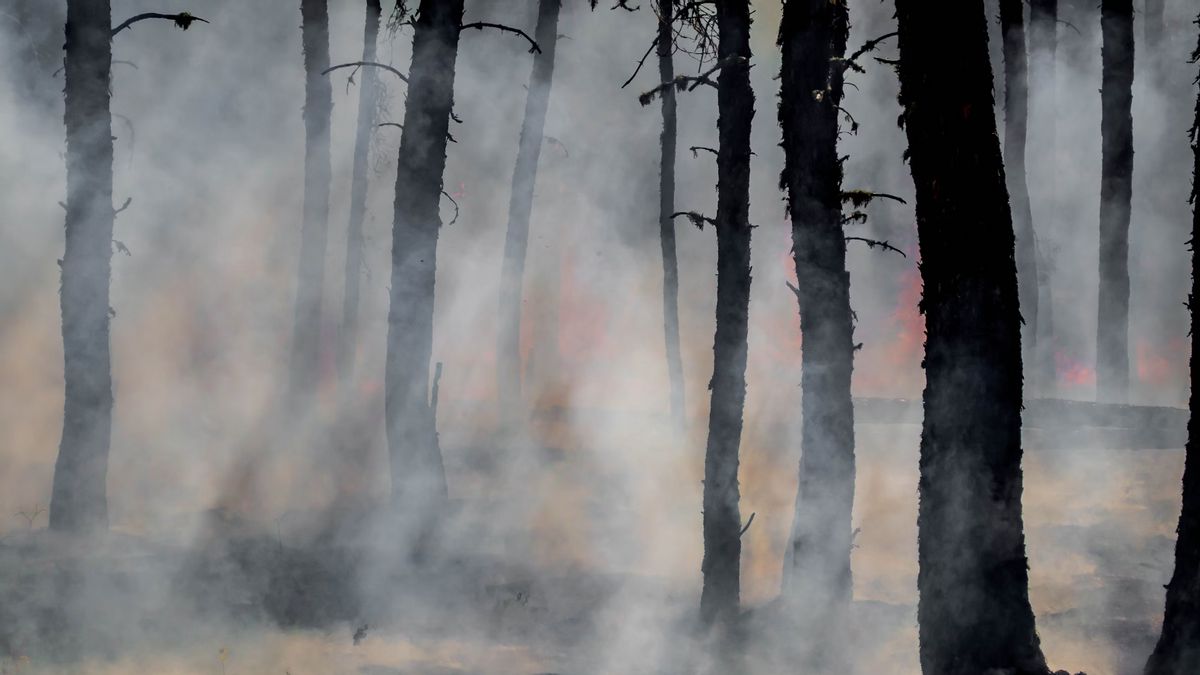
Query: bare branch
x=697 y=148
x=182 y=19
x=689 y=82
x=128 y=201
x=121 y=247
x=860 y=198
x=358 y=64
x=642 y=61
x=868 y=46
x=875 y=242
x=480 y=25
x=747 y=524
x=698 y=219
x=452 y=220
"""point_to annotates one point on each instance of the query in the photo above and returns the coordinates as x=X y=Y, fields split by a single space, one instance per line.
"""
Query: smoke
x=580 y=550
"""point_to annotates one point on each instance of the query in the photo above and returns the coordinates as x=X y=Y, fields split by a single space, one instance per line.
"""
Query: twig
x=698 y=219
x=480 y=25
x=868 y=46
x=128 y=201
x=696 y=148
x=875 y=242
x=455 y=218
x=689 y=82
x=182 y=19
x=122 y=248
x=358 y=64
x=862 y=197
x=641 y=61
x=747 y=526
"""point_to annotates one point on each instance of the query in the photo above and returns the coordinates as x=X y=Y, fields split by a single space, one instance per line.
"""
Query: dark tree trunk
x=368 y=101
x=310 y=281
x=666 y=206
x=1178 y=648
x=722 y=522
x=1042 y=137
x=1016 y=111
x=813 y=37
x=79 y=499
x=1116 y=189
x=418 y=479
x=520 y=207
x=973 y=613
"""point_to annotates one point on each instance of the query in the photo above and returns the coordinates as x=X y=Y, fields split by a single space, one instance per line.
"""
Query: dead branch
x=697 y=148
x=359 y=64
x=860 y=198
x=128 y=201
x=480 y=25
x=881 y=244
x=690 y=82
x=698 y=219
x=868 y=46
x=642 y=61
x=122 y=248
x=747 y=524
x=182 y=19
x=455 y=218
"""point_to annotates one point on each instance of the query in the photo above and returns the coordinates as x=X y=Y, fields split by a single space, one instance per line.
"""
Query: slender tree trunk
x=666 y=206
x=722 y=523
x=310 y=282
x=1116 y=189
x=418 y=478
x=1178 y=648
x=974 y=614
x=79 y=497
x=1042 y=137
x=520 y=207
x=813 y=37
x=1016 y=122
x=368 y=101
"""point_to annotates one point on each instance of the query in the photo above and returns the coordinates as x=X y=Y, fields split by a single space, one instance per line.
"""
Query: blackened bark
x=418 y=478
x=974 y=614
x=1040 y=154
x=813 y=38
x=310 y=280
x=1178 y=648
x=666 y=206
x=1116 y=189
x=520 y=208
x=79 y=497
x=368 y=101
x=1016 y=122
x=722 y=522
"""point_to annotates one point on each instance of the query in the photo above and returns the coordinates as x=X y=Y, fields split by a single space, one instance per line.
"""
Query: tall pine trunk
x=817 y=579
x=666 y=207
x=418 y=478
x=310 y=278
x=719 y=598
x=1042 y=140
x=1116 y=189
x=79 y=497
x=368 y=101
x=1178 y=648
x=974 y=614
x=1016 y=122
x=520 y=208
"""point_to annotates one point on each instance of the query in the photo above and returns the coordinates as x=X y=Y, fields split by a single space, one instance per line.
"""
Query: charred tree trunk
x=79 y=497
x=722 y=522
x=1116 y=189
x=1042 y=137
x=368 y=101
x=418 y=478
x=974 y=614
x=1016 y=122
x=813 y=37
x=666 y=207
x=520 y=208
x=310 y=279
x=1178 y=648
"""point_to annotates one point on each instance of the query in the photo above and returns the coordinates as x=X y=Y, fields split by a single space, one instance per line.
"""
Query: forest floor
x=243 y=597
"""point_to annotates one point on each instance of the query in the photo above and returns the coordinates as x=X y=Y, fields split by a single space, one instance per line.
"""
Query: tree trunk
x=722 y=522
x=418 y=478
x=310 y=282
x=1178 y=648
x=1042 y=137
x=974 y=614
x=79 y=496
x=520 y=207
x=1016 y=111
x=1116 y=189
x=368 y=101
x=813 y=37
x=666 y=207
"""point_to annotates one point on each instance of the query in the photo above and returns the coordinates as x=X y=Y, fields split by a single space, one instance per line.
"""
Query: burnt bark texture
x=1116 y=190
x=1178 y=648
x=418 y=477
x=973 y=610
x=79 y=495
x=368 y=103
x=1041 y=151
x=817 y=578
x=666 y=207
x=1016 y=124
x=721 y=567
x=520 y=209
x=310 y=279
